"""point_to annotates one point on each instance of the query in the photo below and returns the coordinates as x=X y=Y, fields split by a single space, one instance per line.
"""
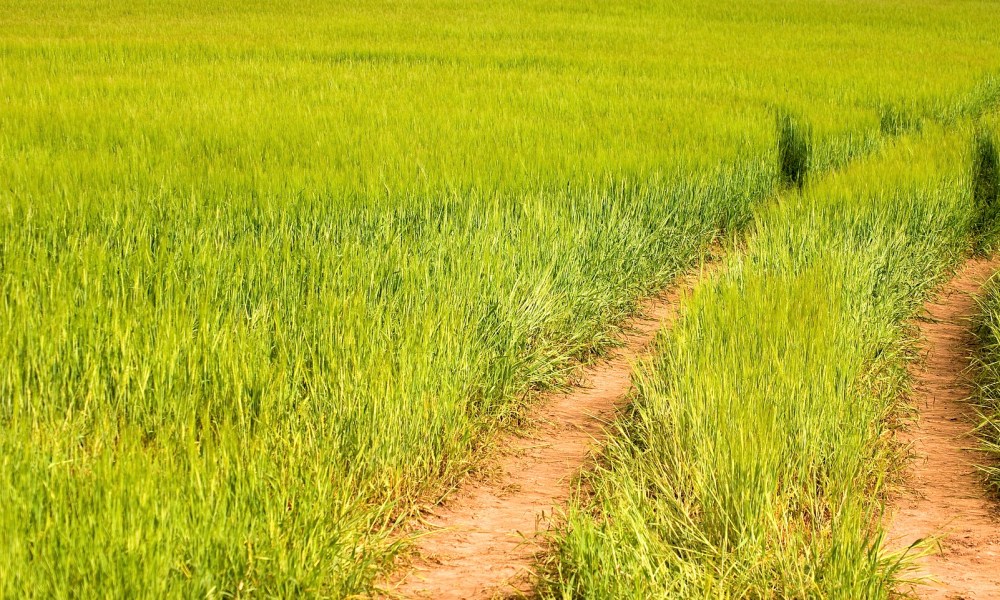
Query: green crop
x=273 y=274
x=988 y=378
x=986 y=182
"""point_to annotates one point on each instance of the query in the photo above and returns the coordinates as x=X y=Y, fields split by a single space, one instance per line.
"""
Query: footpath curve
x=944 y=500
x=483 y=541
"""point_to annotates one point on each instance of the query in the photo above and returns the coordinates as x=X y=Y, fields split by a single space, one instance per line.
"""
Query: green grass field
x=272 y=277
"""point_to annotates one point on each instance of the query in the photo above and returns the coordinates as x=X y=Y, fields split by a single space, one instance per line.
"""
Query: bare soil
x=944 y=499
x=483 y=541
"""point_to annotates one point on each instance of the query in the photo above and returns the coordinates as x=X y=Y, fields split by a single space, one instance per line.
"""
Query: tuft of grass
x=794 y=150
x=894 y=121
x=985 y=186
x=987 y=369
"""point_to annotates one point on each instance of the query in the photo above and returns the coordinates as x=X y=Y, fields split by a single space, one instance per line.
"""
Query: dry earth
x=944 y=497
x=483 y=541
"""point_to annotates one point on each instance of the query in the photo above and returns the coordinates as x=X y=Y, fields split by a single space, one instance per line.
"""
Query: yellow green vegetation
x=270 y=276
x=986 y=187
x=755 y=459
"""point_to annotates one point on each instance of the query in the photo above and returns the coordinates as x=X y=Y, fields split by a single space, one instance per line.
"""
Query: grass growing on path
x=754 y=461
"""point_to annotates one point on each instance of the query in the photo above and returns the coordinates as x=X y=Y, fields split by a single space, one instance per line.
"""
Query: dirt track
x=483 y=541
x=944 y=494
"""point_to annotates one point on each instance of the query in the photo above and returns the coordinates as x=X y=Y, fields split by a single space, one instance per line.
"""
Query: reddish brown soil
x=482 y=543
x=944 y=494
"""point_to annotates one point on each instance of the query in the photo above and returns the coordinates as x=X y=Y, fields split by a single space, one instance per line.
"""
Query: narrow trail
x=483 y=541
x=945 y=495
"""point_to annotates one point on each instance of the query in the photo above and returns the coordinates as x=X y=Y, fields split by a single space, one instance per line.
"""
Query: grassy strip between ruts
x=754 y=459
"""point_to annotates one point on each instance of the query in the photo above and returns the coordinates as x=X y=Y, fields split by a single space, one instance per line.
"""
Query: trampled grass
x=270 y=276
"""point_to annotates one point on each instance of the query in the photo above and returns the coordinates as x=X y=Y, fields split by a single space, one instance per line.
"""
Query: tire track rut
x=483 y=541
x=944 y=494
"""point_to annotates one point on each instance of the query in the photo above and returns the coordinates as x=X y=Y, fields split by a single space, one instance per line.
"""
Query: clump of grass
x=794 y=150
x=896 y=121
x=985 y=187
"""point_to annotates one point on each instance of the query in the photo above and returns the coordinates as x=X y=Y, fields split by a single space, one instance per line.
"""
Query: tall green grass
x=250 y=394
x=987 y=366
x=272 y=275
x=987 y=358
x=794 y=151
x=754 y=459
x=986 y=184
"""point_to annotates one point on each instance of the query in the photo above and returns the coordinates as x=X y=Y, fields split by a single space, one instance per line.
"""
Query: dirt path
x=483 y=541
x=945 y=495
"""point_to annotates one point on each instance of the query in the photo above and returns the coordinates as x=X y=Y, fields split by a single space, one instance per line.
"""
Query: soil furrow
x=944 y=497
x=483 y=541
